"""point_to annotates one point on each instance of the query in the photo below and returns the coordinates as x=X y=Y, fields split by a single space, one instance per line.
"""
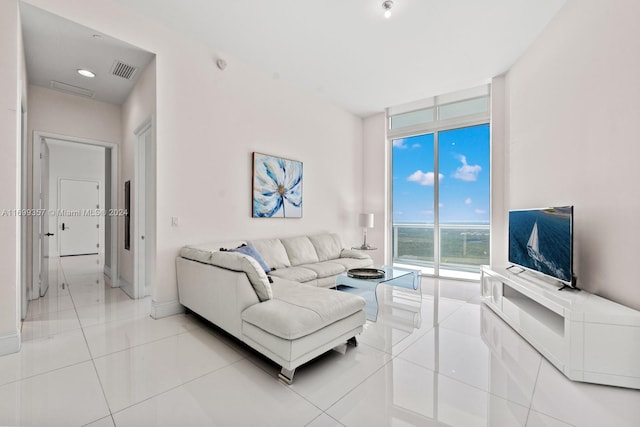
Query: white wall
x=10 y=74
x=77 y=161
x=69 y=115
x=499 y=171
x=65 y=114
x=375 y=185
x=139 y=106
x=208 y=124
x=573 y=117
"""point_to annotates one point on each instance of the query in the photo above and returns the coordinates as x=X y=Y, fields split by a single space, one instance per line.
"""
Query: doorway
x=144 y=218
x=79 y=207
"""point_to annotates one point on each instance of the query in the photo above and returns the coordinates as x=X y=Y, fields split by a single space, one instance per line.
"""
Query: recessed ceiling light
x=387 y=5
x=86 y=73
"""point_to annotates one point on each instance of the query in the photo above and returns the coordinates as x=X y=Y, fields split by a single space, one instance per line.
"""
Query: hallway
x=64 y=335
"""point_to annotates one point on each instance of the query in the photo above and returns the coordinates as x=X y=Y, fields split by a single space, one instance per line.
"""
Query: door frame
x=436 y=129
x=24 y=199
x=38 y=136
x=45 y=247
x=144 y=175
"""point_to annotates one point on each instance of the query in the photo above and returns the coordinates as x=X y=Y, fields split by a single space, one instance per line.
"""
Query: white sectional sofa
x=288 y=315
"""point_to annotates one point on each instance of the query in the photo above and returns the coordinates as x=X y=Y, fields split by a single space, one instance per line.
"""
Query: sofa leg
x=286 y=376
x=353 y=341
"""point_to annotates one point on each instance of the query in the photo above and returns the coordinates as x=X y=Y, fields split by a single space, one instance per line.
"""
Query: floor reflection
x=77 y=284
x=456 y=363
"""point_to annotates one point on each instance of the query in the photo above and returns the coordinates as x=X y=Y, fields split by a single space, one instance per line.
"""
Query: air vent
x=123 y=70
x=75 y=90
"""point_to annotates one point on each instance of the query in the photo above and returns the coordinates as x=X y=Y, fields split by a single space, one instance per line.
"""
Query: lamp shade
x=366 y=220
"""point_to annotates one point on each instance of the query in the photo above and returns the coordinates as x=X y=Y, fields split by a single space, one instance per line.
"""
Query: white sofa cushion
x=240 y=262
x=273 y=252
x=300 y=250
x=328 y=246
x=325 y=269
x=297 y=311
x=292 y=353
x=297 y=274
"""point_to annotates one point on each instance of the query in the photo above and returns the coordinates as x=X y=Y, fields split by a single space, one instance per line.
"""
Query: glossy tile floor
x=91 y=356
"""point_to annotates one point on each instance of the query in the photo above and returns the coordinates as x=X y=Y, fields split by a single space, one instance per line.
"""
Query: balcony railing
x=463 y=247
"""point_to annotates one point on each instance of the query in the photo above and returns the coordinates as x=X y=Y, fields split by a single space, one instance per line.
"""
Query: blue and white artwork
x=277 y=187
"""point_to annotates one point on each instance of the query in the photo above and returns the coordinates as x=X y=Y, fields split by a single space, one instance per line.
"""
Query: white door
x=45 y=235
x=141 y=195
x=78 y=217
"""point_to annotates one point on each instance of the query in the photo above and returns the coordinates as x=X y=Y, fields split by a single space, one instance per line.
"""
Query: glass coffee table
x=366 y=288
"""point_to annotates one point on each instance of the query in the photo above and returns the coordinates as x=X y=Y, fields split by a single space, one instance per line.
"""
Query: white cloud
x=424 y=178
x=467 y=172
x=416 y=145
x=468 y=201
x=480 y=212
x=399 y=143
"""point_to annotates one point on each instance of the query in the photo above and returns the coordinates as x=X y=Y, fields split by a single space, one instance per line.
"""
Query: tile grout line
x=143 y=343
x=533 y=392
x=464 y=383
x=44 y=373
x=175 y=387
x=360 y=383
x=321 y=414
x=93 y=363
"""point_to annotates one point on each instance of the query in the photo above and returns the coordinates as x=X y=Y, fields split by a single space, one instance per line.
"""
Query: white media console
x=587 y=337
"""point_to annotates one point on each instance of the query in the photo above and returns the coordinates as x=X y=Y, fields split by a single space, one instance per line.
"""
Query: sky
x=464 y=177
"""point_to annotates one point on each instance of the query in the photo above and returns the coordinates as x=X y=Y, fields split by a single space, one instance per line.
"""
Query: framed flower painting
x=277 y=187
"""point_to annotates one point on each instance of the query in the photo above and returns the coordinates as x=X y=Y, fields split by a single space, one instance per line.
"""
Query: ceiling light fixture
x=387 y=5
x=86 y=73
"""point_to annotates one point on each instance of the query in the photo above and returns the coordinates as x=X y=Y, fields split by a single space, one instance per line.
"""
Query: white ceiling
x=347 y=52
x=55 y=48
x=344 y=51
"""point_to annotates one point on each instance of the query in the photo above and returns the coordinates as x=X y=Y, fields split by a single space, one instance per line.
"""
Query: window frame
x=435 y=127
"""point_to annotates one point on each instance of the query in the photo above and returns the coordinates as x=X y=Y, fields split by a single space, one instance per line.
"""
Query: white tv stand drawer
x=587 y=337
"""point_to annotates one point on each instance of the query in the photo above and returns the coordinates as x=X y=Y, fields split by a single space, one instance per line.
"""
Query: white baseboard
x=164 y=309
x=125 y=286
x=10 y=343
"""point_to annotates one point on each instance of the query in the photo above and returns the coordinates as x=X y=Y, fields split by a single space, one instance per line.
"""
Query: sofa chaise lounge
x=289 y=316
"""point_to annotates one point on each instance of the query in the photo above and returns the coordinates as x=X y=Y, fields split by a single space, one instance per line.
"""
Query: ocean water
x=554 y=241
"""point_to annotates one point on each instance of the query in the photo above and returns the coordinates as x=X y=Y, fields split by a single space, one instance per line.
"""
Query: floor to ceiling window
x=441 y=186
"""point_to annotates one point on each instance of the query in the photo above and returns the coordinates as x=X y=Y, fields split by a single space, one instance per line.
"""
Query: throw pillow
x=249 y=250
x=240 y=262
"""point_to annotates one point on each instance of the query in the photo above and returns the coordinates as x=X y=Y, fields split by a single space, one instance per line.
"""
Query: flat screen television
x=541 y=240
